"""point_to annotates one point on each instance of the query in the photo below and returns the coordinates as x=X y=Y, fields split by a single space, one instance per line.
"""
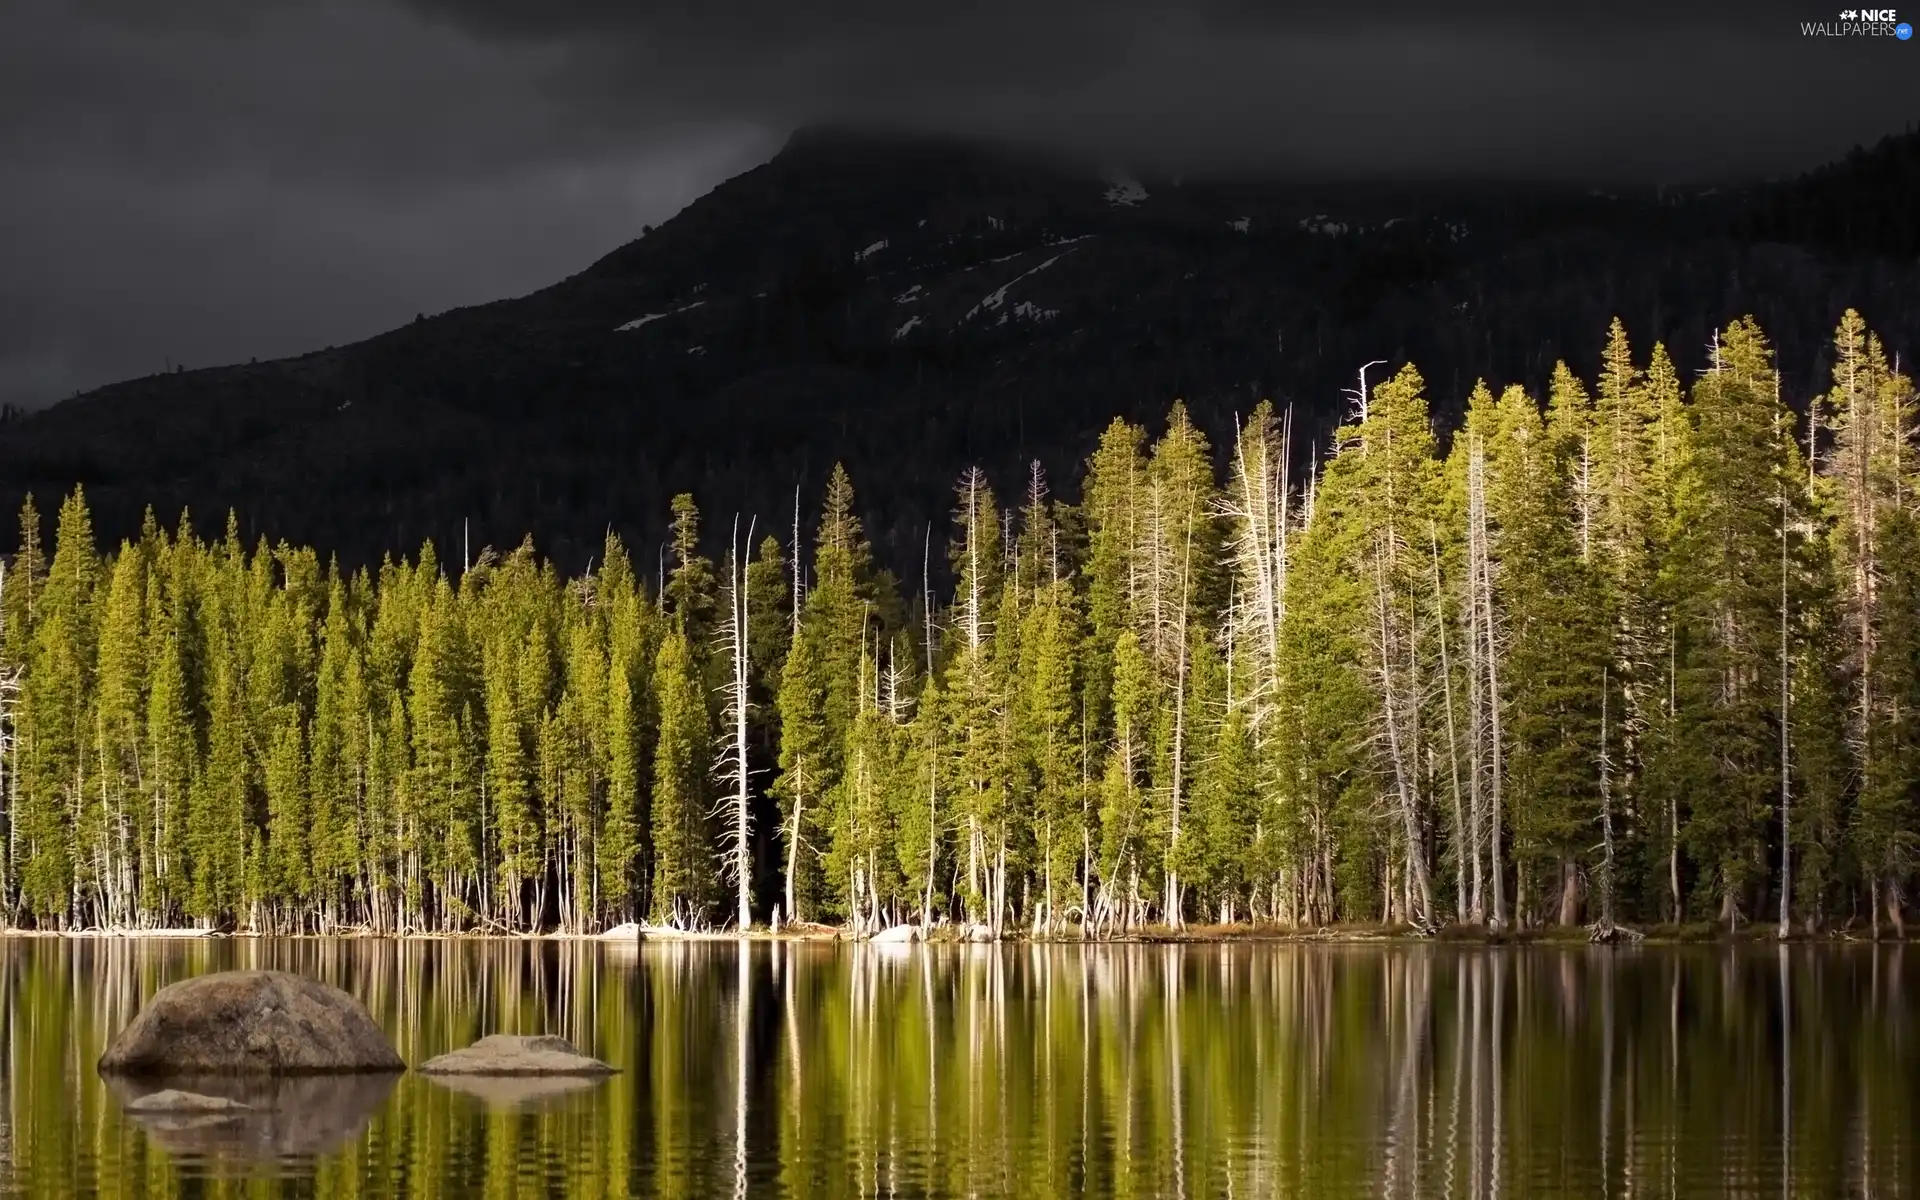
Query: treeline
x=1649 y=651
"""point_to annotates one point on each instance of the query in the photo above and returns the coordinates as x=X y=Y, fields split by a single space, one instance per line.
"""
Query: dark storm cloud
x=205 y=180
x=1632 y=89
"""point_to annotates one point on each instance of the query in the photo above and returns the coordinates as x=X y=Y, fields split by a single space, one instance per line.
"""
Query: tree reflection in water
x=809 y=1070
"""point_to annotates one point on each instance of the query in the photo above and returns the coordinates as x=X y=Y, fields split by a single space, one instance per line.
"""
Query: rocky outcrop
x=511 y=1054
x=250 y=1023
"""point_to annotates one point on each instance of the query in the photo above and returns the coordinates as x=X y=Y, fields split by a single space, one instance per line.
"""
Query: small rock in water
x=511 y=1054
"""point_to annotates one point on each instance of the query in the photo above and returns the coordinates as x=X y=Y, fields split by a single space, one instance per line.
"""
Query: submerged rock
x=252 y=1118
x=172 y=1100
x=250 y=1023
x=512 y=1054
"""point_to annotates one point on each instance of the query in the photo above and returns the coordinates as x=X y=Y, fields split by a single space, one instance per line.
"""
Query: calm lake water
x=1195 y=1071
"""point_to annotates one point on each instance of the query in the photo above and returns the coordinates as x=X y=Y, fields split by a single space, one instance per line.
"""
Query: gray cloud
x=208 y=180
x=214 y=182
x=1631 y=89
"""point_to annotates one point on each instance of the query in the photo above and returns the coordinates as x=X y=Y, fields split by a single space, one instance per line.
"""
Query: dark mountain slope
x=913 y=306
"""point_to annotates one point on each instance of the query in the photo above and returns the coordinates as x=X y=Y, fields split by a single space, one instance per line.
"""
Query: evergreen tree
x=58 y=715
x=683 y=884
x=1727 y=518
x=804 y=775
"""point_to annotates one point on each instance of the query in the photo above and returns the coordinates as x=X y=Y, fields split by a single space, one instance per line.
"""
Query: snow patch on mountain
x=909 y=296
x=998 y=296
x=1322 y=224
x=1241 y=224
x=906 y=329
x=870 y=251
x=637 y=322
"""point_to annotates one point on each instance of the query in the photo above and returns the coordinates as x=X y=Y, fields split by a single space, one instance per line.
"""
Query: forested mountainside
x=910 y=307
x=1638 y=647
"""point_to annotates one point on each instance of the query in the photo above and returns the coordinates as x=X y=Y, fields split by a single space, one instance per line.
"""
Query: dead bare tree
x=737 y=818
x=1481 y=601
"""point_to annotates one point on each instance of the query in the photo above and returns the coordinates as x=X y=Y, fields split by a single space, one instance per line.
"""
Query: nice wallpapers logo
x=1860 y=22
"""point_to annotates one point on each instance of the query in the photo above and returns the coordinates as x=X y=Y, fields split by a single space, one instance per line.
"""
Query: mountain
x=911 y=306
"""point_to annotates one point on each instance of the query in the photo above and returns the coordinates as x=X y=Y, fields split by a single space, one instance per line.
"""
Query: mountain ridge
x=912 y=305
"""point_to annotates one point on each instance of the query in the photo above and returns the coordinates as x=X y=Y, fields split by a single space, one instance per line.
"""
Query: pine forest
x=1643 y=651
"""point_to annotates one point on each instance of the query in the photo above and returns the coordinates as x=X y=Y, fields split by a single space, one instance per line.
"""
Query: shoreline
x=1199 y=935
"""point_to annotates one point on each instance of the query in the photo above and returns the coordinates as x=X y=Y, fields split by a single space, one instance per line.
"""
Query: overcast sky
x=204 y=181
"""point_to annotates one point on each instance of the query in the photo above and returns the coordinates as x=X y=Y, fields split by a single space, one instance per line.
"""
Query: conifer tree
x=1113 y=498
x=59 y=716
x=1048 y=723
x=1123 y=811
x=1545 y=512
x=117 y=828
x=977 y=704
x=1727 y=520
x=682 y=878
x=804 y=773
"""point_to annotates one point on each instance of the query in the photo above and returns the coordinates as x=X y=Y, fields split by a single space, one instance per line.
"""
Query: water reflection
x=517 y=1091
x=285 y=1120
x=1129 y=1071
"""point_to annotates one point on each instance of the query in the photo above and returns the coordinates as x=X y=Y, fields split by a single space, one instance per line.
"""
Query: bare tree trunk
x=1476 y=741
x=1786 y=700
x=739 y=854
x=1673 y=801
x=1453 y=745
x=1476 y=475
x=1173 y=899
x=1606 y=813
x=793 y=837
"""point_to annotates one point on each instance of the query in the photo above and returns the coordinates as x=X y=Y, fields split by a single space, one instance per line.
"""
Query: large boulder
x=510 y=1054
x=250 y=1023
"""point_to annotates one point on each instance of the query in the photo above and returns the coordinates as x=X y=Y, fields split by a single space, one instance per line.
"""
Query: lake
x=1230 y=1070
